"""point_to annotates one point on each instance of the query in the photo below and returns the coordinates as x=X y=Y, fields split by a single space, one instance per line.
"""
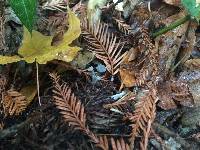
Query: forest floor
x=126 y=88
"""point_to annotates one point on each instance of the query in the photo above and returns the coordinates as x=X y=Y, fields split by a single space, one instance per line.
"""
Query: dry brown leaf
x=173 y=92
x=193 y=64
x=167 y=103
x=192 y=78
x=127 y=69
x=132 y=54
x=127 y=77
x=29 y=92
x=169 y=45
x=188 y=44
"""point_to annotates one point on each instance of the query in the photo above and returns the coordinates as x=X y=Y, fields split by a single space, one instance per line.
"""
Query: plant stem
x=171 y=26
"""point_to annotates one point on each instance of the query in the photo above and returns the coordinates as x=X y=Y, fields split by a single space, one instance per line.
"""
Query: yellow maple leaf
x=37 y=47
x=9 y=59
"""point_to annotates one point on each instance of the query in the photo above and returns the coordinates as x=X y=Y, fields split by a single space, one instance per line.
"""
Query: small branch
x=38 y=83
x=171 y=26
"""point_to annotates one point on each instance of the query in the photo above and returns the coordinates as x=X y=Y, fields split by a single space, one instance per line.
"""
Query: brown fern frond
x=73 y=111
x=143 y=115
x=123 y=27
x=144 y=142
x=119 y=144
x=104 y=45
x=13 y=102
x=71 y=108
x=103 y=143
x=147 y=131
x=142 y=76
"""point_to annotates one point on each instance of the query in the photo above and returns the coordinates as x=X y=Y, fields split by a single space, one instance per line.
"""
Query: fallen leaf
x=193 y=64
x=127 y=71
x=82 y=59
x=170 y=43
x=42 y=51
x=192 y=78
x=29 y=92
x=37 y=47
x=127 y=77
x=189 y=43
x=173 y=92
x=9 y=59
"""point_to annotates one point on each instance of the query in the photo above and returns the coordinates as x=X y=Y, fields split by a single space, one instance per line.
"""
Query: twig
x=38 y=83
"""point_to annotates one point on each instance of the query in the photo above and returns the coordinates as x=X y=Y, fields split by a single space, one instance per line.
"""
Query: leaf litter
x=103 y=85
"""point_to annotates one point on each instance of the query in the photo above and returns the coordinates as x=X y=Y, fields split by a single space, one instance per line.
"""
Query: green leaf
x=25 y=11
x=192 y=7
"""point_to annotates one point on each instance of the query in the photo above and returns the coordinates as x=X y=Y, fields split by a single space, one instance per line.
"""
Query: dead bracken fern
x=143 y=117
x=73 y=111
x=104 y=45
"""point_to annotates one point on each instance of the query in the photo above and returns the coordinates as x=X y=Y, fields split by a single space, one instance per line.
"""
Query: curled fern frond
x=104 y=45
